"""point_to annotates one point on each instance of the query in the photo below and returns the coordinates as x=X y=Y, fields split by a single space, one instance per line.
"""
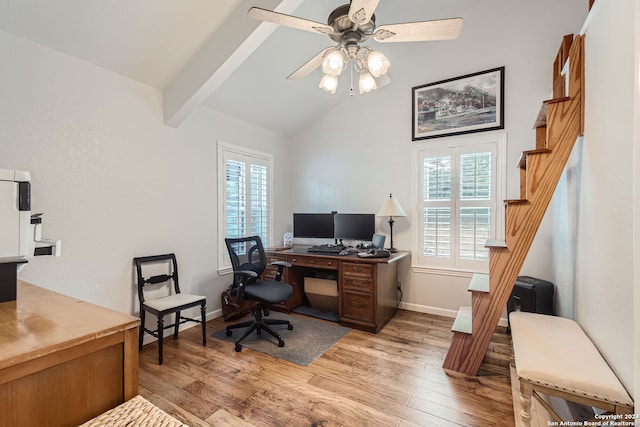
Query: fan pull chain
x=351 y=93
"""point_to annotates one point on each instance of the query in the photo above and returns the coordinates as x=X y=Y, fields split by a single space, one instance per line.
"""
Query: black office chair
x=172 y=301
x=249 y=261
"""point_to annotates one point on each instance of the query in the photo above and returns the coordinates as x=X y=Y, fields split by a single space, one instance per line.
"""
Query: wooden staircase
x=558 y=126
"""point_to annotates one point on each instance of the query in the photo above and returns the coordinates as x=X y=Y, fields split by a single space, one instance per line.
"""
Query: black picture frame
x=465 y=104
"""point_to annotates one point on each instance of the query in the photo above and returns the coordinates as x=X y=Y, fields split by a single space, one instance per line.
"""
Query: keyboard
x=326 y=249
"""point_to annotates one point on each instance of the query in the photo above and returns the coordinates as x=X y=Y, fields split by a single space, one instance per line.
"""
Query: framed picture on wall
x=465 y=104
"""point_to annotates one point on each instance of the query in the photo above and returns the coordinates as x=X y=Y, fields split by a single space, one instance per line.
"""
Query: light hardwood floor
x=392 y=378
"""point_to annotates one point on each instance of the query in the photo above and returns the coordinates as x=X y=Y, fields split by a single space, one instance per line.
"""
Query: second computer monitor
x=354 y=226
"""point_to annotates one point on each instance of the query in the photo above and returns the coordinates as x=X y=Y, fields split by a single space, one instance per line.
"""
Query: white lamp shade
x=391 y=207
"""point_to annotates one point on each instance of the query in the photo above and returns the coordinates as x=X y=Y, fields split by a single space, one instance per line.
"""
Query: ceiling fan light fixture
x=366 y=83
x=350 y=25
x=333 y=62
x=377 y=63
x=329 y=83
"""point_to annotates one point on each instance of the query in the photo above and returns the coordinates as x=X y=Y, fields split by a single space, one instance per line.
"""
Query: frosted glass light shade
x=333 y=63
x=367 y=83
x=329 y=83
x=378 y=63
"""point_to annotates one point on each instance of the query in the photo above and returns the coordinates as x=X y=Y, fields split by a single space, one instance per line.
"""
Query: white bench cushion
x=555 y=352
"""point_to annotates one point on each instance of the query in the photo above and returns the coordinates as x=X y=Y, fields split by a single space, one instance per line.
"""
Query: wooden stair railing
x=558 y=126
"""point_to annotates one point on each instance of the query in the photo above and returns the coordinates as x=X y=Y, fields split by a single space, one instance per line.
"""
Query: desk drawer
x=271 y=257
x=357 y=307
x=311 y=261
x=358 y=283
x=350 y=269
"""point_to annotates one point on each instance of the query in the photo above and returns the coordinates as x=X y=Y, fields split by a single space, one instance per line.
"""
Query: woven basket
x=137 y=412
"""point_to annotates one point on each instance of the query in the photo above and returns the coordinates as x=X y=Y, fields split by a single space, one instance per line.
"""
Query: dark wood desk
x=367 y=287
x=63 y=361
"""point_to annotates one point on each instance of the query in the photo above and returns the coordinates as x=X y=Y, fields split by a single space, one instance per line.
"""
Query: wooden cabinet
x=367 y=287
x=63 y=361
x=369 y=294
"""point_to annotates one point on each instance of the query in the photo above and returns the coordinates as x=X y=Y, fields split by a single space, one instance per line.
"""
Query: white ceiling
x=163 y=42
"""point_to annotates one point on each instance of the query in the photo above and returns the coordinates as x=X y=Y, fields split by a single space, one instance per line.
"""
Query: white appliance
x=16 y=234
x=20 y=232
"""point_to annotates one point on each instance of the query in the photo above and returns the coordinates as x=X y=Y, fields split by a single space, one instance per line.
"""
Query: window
x=244 y=195
x=460 y=188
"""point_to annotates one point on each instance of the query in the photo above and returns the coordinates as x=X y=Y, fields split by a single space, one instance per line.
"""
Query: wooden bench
x=555 y=357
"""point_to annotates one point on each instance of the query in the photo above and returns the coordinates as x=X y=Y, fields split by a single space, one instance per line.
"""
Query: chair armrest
x=246 y=273
x=282 y=264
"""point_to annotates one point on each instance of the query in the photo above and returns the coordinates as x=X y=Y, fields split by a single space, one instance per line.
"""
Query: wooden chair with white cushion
x=171 y=300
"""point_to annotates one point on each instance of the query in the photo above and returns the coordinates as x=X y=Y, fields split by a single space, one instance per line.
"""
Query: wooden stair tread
x=516 y=201
x=463 y=322
x=556 y=100
x=479 y=283
x=494 y=243
x=522 y=162
x=541 y=120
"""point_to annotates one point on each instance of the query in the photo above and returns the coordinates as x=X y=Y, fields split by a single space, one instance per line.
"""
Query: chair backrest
x=172 y=270
x=246 y=253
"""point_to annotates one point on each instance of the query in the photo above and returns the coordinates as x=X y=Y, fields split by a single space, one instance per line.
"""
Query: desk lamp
x=391 y=208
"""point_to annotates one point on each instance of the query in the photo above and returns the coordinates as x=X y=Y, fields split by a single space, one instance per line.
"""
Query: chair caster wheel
x=280 y=343
x=290 y=327
x=229 y=333
x=238 y=347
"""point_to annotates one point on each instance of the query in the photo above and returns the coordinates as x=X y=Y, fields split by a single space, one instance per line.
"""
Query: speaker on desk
x=531 y=295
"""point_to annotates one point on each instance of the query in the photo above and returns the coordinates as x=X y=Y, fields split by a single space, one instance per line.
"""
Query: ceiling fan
x=350 y=25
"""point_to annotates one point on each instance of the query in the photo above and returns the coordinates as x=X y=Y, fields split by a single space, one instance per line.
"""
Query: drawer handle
x=357 y=269
x=329 y=263
x=357 y=283
x=357 y=305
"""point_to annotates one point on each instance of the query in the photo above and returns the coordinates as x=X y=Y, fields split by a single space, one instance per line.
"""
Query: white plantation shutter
x=475 y=205
x=460 y=196
x=235 y=199
x=244 y=195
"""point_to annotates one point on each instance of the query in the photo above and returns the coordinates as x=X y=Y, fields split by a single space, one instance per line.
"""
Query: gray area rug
x=308 y=340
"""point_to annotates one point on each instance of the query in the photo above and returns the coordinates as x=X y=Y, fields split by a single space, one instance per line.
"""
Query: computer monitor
x=313 y=225
x=354 y=226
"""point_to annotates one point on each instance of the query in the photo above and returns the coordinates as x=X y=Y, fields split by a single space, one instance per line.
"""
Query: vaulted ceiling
x=209 y=52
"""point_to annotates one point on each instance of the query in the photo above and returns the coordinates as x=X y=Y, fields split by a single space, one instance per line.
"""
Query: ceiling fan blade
x=308 y=66
x=442 y=29
x=361 y=11
x=289 y=21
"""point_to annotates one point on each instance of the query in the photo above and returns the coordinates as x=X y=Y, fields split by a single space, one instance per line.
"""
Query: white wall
x=112 y=180
x=366 y=141
x=597 y=235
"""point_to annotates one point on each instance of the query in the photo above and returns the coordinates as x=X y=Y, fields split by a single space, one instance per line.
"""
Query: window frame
x=227 y=151
x=496 y=142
